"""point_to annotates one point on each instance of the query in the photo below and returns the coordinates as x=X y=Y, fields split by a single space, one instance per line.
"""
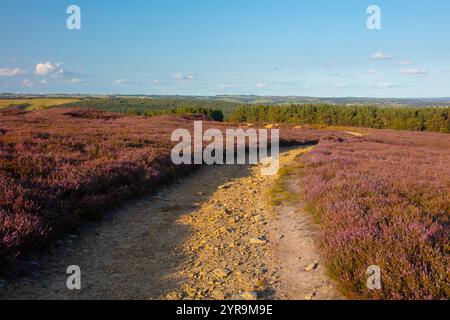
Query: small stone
x=260 y=284
x=257 y=218
x=218 y=295
x=310 y=296
x=247 y=295
x=222 y=273
x=311 y=266
x=259 y=240
x=223 y=230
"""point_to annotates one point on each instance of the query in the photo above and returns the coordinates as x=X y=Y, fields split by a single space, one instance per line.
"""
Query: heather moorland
x=381 y=197
x=62 y=165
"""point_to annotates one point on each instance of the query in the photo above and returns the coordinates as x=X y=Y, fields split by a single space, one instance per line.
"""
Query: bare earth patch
x=294 y=234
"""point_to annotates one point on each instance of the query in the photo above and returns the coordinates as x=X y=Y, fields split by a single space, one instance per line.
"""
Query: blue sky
x=211 y=47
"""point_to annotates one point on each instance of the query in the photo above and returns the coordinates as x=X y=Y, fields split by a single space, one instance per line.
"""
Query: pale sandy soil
x=353 y=133
x=295 y=236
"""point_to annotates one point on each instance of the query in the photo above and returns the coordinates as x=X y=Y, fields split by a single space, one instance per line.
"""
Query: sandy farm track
x=211 y=235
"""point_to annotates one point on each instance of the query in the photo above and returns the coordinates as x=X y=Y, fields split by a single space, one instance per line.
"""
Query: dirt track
x=212 y=235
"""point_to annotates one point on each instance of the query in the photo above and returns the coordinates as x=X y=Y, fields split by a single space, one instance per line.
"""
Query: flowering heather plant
x=60 y=166
x=384 y=199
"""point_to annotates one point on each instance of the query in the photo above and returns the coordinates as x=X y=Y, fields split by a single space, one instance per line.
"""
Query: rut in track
x=211 y=235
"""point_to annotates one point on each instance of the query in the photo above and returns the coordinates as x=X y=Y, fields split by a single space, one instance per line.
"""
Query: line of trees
x=404 y=118
x=217 y=110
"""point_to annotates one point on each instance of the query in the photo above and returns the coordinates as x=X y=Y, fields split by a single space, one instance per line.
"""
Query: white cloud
x=44 y=68
x=55 y=70
x=405 y=63
x=371 y=71
x=184 y=78
x=43 y=82
x=414 y=72
x=386 y=85
x=381 y=56
x=11 y=72
x=27 y=83
x=120 y=81
x=262 y=85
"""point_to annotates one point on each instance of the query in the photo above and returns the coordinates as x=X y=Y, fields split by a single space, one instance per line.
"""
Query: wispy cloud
x=405 y=63
x=120 y=81
x=58 y=74
x=227 y=86
x=184 y=78
x=262 y=85
x=285 y=83
x=74 y=81
x=386 y=85
x=341 y=75
x=330 y=64
x=380 y=55
x=414 y=72
x=11 y=72
x=371 y=71
x=27 y=83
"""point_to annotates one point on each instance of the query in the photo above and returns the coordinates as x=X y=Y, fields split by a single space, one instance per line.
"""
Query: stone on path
x=247 y=295
x=311 y=266
x=258 y=240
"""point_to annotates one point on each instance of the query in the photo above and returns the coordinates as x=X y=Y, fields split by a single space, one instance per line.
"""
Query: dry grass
x=35 y=104
x=281 y=192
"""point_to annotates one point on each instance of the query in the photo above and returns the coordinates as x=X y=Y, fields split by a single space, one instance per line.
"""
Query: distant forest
x=404 y=118
x=435 y=119
x=217 y=110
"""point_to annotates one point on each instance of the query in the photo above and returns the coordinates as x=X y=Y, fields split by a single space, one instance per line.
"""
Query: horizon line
x=219 y=95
